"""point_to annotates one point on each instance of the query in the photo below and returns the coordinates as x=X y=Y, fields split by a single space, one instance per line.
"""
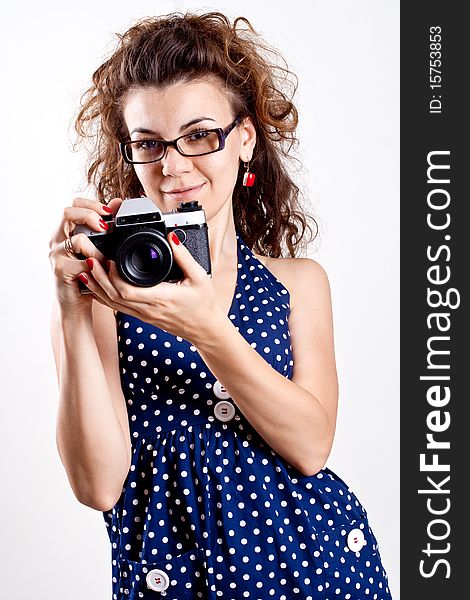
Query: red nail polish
x=107 y=209
x=83 y=278
x=174 y=238
x=103 y=224
x=89 y=262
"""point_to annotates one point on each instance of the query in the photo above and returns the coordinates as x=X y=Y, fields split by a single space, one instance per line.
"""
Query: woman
x=198 y=416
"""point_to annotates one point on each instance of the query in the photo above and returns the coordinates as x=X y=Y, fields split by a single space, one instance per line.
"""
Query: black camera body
x=136 y=240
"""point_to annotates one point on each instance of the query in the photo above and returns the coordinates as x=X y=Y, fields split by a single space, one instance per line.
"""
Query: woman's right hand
x=64 y=248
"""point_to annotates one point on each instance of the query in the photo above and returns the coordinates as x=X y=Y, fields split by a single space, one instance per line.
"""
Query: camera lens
x=144 y=258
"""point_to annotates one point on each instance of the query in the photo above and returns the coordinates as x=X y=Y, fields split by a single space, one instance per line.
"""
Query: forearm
x=290 y=419
x=90 y=438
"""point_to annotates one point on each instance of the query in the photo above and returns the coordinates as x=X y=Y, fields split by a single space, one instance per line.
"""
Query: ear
x=248 y=139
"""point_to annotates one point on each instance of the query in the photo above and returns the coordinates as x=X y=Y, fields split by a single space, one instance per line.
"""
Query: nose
x=174 y=163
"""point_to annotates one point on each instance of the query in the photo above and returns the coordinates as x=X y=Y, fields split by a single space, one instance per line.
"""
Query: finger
x=97 y=215
x=96 y=205
x=114 y=205
x=79 y=246
x=190 y=267
x=74 y=216
x=112 y=289
x=85 y=216
x=91 y=213
x=128 y=295
x=93 y=288
x=69 y=248
x=71 y=269
x=102 y=208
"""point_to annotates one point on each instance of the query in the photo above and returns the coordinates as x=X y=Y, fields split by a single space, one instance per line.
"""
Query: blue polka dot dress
x=208 y=510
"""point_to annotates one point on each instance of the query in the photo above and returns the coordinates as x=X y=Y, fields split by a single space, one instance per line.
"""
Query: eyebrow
x=182 y=128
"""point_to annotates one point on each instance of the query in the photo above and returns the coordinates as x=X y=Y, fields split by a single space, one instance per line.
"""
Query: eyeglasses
x=198 y=143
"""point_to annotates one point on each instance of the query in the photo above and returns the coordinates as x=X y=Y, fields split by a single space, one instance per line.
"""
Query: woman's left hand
x=185 y=308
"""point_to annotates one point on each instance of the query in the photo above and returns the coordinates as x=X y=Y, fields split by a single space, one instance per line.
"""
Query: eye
x=197 y=136
x=147 y=145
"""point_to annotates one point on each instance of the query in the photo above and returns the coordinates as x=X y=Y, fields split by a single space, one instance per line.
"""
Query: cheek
x=146 y=173
x=221 y=170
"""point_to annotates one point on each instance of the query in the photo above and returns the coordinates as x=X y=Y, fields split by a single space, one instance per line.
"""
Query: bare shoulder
x=303 y=277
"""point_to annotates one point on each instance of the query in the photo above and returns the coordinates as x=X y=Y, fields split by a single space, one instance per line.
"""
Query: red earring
x=248 y=178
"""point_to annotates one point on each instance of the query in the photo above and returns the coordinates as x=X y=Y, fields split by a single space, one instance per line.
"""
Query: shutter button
x=157 y=580
x=224 y=410
x=355 y=540
x=220 y=391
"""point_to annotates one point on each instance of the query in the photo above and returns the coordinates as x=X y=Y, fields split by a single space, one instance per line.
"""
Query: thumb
x=188 y=264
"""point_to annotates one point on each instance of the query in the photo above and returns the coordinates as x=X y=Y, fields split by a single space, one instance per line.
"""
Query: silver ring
x=69 y=247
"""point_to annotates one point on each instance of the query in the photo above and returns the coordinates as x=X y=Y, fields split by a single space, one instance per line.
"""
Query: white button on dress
x=356 y=540
x=157 y=580
x=224 y=411
x=220 y=391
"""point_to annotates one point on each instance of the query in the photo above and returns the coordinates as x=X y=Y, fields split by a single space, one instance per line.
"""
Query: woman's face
x=169 y=112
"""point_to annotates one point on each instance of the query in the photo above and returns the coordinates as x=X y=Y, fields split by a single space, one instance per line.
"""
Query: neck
x=222 y=239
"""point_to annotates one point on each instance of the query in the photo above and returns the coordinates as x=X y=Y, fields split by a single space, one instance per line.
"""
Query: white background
x=346 y=55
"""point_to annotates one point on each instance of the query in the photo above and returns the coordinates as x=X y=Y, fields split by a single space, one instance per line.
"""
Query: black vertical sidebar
x=435 y=316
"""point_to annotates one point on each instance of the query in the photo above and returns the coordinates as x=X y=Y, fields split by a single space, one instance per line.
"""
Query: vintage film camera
x=136 y=240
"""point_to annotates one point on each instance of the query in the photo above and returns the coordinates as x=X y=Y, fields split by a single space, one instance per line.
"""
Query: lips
x=183 y=191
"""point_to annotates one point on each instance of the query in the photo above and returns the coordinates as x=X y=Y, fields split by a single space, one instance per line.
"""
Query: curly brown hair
x=160 y=51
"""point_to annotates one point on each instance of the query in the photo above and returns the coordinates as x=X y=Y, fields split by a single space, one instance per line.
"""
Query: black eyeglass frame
x=221 y=134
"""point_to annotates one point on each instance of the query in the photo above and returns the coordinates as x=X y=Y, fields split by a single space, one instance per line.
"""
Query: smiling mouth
x=183 y=191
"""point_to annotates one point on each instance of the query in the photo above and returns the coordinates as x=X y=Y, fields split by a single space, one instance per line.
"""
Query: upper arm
x=104 y=328
x=311 y=329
